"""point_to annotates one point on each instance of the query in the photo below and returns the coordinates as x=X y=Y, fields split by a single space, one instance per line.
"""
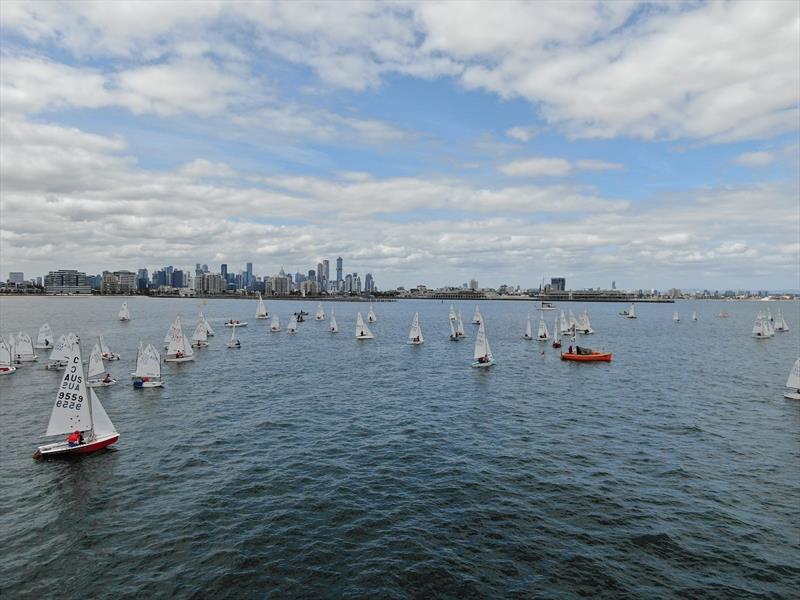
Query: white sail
x=573 y=323
x=794 y=376
x=780 y=322
x=320 y=315
x=176 y=339
x=760 y=327
x=563 y=325
x=5 y=353
x=528 y=329
x=149 y=363
x=275 y=323
x=542 y=334
x=71 y=410
x=209 y=330
x=460 y=327
x=188 y=347
x=200 y=334
x=452 y=330
x=556 y=332
x=675 y=317
x=104 y=349
x=371 y=315
x=292 y=326
x=62 y=349
x=694 y=315
x=174 y=332
x=452 y=314
x=334 y=325
x=415 y=333
x=101 y=424
x=476 y=316
x=362 y=331
x=233 y=334
x=482 y=344
x=124 y=314
x=261 y=308
x=96 y=366
x=23 y=348
x=632 y=312
x=584 y=326
x=770 y=326
x=45 y=337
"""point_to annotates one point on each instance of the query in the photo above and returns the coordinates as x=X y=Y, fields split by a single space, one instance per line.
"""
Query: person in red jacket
x=74 y=438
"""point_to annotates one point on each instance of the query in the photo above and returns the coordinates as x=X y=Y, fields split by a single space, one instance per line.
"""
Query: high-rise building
x=357 y=284
x=369 y=283
x=558 y=284
x=280 y=284
x=142 y=279
x=67 y=282
x=339 y=269
x=223 y=271
x=16 y=277
x=320 y=273
x=326 y=271
x=473 y=285
x=312 y=274
x=248 y=281
x=178 y=279
x=197 y=269
x=126 y=281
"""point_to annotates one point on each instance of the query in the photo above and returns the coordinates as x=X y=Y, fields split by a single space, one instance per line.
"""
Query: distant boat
x=563 y=325
x=477 y=319
x=44 y=341
x=209 y=330
x=178 y=349
x=573 y=322
x=528 y=335
x=587 y=355
x=724 y=315
x=452 y=314
x=233 y=342
x=371 y=315
x=415 y=333
x=362 y=331
x=334 y=325
x=200 y=335
x=235 y=323
x=106 y=351
x=148 y=369
x=97 y=368
x=631 y=312
x=23 y=348
x=124 y=314
x=320 y=314
x=482 y=355
x=556 y=334
x=780 y=323
x=5 y=358
x=453 y=335
x=542 y=335
x=793 y=382
x=292 y=326
x=460 y=332
x=694 y=315
x=761 y=328
x=82 y=415
x=61 y=352
x=546 y=306
x=584 y=326
x=261 y=309
x=275 y=323
x=675 y=317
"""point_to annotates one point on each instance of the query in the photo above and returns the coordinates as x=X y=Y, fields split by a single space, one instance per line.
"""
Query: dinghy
x=124 y=314
x=275 y=324
x=556 y=334
x=546 y=306
x=106 y=351
x=179 y=349
x=476 y=316
x=573 y=322
x=334 y=325
x=200 y=335
x=793 y=382
x=292 y=326
x=371 y=315
x=320 y=314
x=78 y=414
x=563 y=324
x=694 y=315
x=780 y=323
x=209 y=330
x=5 y=358
x=460 y=327
x=98 y=376
x=452 y=314
x=362 y=331
x=23 y=349
x=233 y=342
x=415 y=333
x=453 y=335
x=235 y=323
x=261 y=309
x=675 y=317
x=44 y=341
x=630 y=313
x=584 y=326
x=61 y=352
x=148 y=369
x=760 y=328
x=542 y=335
x=482 y=356
x=173 y=332
x=528 y=335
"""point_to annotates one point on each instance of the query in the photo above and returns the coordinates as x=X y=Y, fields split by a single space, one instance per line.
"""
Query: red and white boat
x=76 y=412
x=5 y=358
x=587 y=355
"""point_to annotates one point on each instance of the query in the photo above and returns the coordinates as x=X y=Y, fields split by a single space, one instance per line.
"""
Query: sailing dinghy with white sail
x=320 y=314
x=780 y=323
x=415 y=333
x=460 y=332
x=528 y=335
x=453 y=335
x=45 y=340
x=482 y=356
x=334 y=325
x=6 y=368
x=148 y=369
x=676 y=317
x=563 y=324
x=477 y=319
x=173 y=332
x=584 y=326
x=98 y=376
x=261 y=308
x=179 y=348
x=124 y=314
x=371 y=317
x=61 y=352
x=760 y=327
x=209 y=330
x=556 y=333
x=233 y=342
x=793 y=383
x=292 y=326
x=452 y=314
x=106 y=351
x=200 y=335
x=78 y=414
x=694 y=315
x=23 y=348
x=362 y=331
x=275 y=324
x=542 y=335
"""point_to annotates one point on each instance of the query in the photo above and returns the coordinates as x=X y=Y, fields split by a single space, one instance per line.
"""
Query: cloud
x=755 y=159
x=200 y=168
x=598 y=165
x=521 y=134
x=553 y=167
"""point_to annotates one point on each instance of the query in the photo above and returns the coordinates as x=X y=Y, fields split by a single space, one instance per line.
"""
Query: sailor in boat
x=179 y=354
x=416 y=339
x=75 y=439
x=361 y=334
x=569 y=350
x=484 y=359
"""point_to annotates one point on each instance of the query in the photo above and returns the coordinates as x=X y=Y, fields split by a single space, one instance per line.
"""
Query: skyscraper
x=338 y=269
x=249 y=275
x=223 y=271
x=326 y=271
x=320 y=273
x=558 y=284
x=369 y=283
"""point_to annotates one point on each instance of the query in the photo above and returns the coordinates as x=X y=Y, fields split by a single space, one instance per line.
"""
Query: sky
x=651 y=144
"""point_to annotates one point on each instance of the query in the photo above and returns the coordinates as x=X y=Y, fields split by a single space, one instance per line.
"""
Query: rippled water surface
x=314 y=465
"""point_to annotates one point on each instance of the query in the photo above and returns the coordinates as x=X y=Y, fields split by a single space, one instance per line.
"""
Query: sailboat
x=97 y=368
x=362 y=331
x=556 y=334
x=200 y=335
x=793 y=382
x=5 y=358
x=780 y=323
x=694 y=315
x=233 y=342
x=179 y=349
x=415 y=333
x=23 y=348
x=476 y=316
x=542 y=335
x=371 y=314
x=452 y=314
x=760 y=329
x=44 y=341
x=631 y=312
x=124 y=314
x=148 y=369
x=482 y=356
x=77 y=413
x=546 y=306
x=584 y=326
x=528 y=335
x=453 y=335
x=261 y=309
x=769 y=325
x=675 y=317
x=61 y=352
x=292 y=326
x=173 y=332
x=460 y=333
x=275 y=323
x=209 y=330
x=573 y=322
x=320 y=314
x=334 y=325
x=106 y=351
x=563 y=325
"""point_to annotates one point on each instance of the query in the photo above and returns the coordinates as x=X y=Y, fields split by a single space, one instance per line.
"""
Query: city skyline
x=654 y=145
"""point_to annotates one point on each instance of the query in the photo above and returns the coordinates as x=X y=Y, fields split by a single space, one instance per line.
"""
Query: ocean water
x=317 y=466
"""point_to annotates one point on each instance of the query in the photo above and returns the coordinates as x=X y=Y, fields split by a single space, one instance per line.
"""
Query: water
x=318 y=466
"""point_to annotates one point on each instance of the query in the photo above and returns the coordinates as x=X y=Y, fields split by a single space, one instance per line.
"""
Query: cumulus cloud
x=755 y=159
x=554 y=167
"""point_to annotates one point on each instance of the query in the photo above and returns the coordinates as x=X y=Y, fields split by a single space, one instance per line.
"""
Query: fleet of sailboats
x=415 y=333
x=124 y=314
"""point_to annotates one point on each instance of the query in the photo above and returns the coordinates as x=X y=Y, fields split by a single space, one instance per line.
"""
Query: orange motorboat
x=586 y=355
